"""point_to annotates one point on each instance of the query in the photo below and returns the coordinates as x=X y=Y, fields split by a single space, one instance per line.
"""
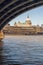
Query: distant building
x=23 y=28
x=26 y=24
x=42 y=25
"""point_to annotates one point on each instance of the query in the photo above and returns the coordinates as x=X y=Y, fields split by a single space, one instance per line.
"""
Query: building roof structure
x=26 y=24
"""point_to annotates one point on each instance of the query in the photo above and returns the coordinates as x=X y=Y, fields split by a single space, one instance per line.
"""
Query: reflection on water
x=21 y=50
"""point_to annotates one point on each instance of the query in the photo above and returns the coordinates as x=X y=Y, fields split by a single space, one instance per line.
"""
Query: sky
x=35 y=15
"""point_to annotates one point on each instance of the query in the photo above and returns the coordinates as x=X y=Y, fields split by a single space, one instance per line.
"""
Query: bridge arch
x=10 y=9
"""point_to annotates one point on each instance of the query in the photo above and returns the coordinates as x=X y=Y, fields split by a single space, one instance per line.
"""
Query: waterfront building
x=26 y=24
x=23 y=28
x=42 y=25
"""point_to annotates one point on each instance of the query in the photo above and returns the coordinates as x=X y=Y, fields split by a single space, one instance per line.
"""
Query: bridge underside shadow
x=10 y=9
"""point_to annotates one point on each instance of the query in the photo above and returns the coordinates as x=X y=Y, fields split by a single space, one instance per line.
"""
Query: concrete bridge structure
x=10 y=9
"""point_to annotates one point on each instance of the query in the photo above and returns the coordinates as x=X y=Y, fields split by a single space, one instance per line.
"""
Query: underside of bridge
x=10 y=9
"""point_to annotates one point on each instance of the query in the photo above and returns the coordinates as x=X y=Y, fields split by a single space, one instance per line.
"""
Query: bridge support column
x=1 y=35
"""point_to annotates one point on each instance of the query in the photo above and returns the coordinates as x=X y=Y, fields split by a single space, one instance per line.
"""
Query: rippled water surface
x=21 y=50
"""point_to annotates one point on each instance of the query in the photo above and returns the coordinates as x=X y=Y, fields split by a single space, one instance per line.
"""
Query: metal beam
x=11 y=11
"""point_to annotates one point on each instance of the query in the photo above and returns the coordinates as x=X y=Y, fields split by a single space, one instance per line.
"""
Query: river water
x=21 y=50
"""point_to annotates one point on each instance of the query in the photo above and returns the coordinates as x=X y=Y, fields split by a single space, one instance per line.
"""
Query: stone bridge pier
x=1 y=35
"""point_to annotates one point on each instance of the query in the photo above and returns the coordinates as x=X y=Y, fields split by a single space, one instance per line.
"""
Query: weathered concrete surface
x=1 y=35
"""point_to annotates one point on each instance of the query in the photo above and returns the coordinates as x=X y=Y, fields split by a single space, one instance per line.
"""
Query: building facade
x=23 y=28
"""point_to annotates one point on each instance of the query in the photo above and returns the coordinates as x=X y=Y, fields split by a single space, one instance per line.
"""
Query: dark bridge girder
x=9 y=9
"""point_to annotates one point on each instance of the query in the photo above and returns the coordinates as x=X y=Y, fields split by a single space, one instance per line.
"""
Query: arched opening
x=12 y=9
x=26 y=24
